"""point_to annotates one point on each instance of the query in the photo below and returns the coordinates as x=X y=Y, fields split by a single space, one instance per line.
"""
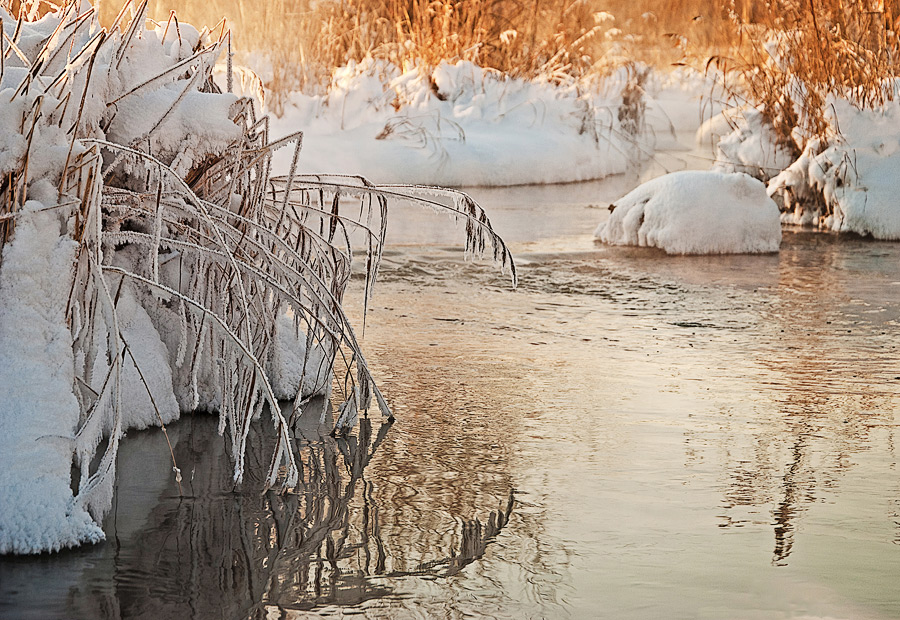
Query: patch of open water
x=681 y=437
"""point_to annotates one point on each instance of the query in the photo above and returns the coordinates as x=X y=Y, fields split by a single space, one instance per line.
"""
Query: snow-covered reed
x=815 y=91
x=151 y=266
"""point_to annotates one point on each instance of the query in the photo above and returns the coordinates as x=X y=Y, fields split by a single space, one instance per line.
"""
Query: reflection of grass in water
x=827 y=391
x=225 y=552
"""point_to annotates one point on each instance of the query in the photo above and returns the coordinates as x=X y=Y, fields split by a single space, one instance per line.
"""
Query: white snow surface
x=40 y=413
x=289 y=364
x=469 y=126
x=148 y=394
x=751 y=146
x=696 y=212
x=199 y=126
x=857 y=175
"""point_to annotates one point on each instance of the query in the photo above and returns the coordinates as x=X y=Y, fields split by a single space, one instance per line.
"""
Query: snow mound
x=463 y=125
x=39 y=416
x=751 y=146
x=696 y=212
x=850 y=185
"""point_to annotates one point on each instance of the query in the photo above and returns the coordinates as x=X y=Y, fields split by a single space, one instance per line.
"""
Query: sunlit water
x=681 y=437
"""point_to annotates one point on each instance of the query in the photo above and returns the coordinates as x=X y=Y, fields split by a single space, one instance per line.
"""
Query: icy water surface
x=627 y=435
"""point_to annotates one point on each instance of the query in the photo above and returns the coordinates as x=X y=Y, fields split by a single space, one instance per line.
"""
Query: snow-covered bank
x=39 y=413
x=846 y=181
x=746 y=143
x=851 y=184
x=696 y=212
x=463 y=125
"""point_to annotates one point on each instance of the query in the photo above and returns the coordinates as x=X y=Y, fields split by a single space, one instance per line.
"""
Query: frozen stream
x=682 y=438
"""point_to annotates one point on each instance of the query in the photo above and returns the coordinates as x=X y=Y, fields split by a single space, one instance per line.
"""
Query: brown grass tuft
x=550 y=39
x=791 y=55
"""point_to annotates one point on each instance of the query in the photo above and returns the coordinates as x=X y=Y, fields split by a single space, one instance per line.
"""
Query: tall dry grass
x=305 y=40
x=791 y=55
x=784 y=56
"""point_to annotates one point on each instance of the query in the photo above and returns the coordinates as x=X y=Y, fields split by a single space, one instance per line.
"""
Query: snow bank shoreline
x=39 y=413
x=468 y=126
x=846 y=182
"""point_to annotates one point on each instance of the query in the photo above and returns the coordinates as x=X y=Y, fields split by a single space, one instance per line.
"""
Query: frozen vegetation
x=151 y=265
x=851 y=182
x=844 y=181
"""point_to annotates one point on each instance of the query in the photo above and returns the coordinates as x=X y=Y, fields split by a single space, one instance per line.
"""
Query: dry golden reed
x=554 y=39
x=784 y=56
x=791 y=55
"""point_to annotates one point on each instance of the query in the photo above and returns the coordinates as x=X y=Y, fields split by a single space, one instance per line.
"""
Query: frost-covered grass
x=150 y=265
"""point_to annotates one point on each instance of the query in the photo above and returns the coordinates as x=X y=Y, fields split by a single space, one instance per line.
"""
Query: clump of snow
x=751 y=146
x=146 y=379
x=39 y=414
x=182 y=128
x=696 y=212
x=850 y=184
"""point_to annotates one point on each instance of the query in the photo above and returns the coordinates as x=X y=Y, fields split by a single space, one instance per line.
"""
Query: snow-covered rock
x=696 y=212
